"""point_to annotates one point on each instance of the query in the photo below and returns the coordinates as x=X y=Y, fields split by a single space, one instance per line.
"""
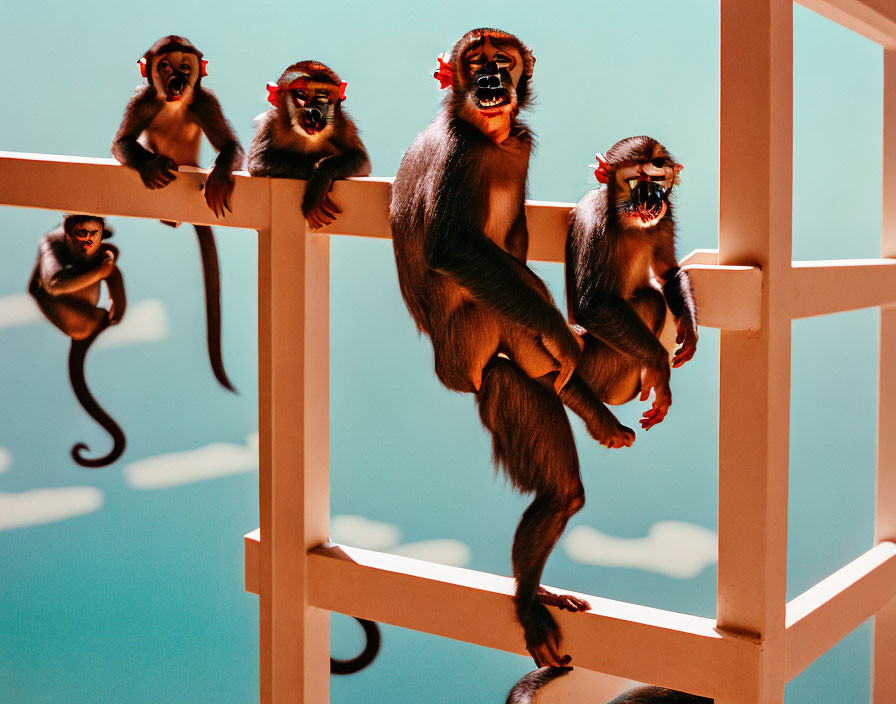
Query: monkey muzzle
x=490 y=91
x=177 y=84
x=313 y=120
x=649 y=200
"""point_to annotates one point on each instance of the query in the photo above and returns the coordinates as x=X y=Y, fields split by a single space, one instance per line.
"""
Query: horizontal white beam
x=822 y=616
x=874 y=19
x=834 y=286
x=727 y=297
x=614 y=637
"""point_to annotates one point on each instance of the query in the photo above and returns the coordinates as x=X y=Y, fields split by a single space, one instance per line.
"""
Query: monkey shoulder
x=589 y=216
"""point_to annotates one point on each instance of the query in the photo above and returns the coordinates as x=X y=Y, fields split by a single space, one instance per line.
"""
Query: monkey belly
x=176 y=135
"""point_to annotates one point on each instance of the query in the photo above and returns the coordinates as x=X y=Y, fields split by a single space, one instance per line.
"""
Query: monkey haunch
x=460 y=238
x=72 y=261
x=162 y=128
x=307 y=135
x=620 y=238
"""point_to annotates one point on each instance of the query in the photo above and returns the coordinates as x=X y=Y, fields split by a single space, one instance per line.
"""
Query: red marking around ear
x=274 y=94
x=141 y=62
x=600 y=173
x=342 y=87
x=203 y=70
x=444 y=73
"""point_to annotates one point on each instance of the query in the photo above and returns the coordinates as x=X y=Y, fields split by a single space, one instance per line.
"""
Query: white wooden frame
x=749 y=288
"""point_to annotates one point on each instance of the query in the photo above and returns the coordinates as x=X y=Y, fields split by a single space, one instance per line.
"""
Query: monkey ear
x=203 y=69
x=342 y=87
x=274 y=94
x=444 y=73
x=600 y=173
x=141 y=62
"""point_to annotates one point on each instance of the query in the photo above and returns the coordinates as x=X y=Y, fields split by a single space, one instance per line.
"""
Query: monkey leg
x=533 y=441
x=463 y=345
x=77 y=318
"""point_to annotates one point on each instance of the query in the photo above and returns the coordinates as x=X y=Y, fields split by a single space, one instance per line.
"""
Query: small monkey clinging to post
x=621 y=238
x=162 y=128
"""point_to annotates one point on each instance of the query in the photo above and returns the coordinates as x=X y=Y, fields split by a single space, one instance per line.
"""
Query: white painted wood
x=823 y=615
x=884 y=646
x=754 y=230
x=825 y=287
x=874 y=19
x=727 y=297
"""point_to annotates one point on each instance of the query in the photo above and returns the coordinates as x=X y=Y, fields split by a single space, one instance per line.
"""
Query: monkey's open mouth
x=491 y=99
x=312 y=126
x=176 y=87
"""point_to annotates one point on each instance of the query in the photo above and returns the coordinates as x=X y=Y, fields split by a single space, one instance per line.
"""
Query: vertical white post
x=754 y=406
x=884 y=673
x=294 y=490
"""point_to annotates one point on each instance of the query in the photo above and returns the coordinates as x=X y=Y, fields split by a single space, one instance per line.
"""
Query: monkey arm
x=329 y=169
x=138 y=116
x=115 y=283
x=209 y=116
x=57 y=278
x=679 y=296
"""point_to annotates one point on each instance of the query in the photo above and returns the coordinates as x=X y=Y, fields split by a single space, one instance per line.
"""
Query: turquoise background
x=142 y=601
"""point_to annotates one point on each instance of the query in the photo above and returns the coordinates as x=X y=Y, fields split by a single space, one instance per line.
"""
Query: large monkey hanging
x=161 y=129
x=460 y=239
x=72 y=260
x=307 y=135
x=621 y=240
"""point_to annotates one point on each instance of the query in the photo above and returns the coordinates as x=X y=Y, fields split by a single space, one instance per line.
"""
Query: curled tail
x=371 y=648
x=88 y=402
x=210 y=275
x=525 y=691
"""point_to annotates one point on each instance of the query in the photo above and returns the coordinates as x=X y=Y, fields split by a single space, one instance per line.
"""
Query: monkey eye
x=164 y=64
x=659 y=162
x=503 y=59
x=299 y=95
x=185 y=67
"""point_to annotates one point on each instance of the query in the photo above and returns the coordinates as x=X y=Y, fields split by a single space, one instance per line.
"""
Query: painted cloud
x=38 y=506
x=671 y=548
x=18 y=309
x=219 y=459
x=146 y=321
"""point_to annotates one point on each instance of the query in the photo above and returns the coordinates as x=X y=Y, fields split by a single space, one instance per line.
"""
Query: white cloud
x=5 y=460
x=444 y=551
x=18 y=309
x=219 y=459
x=672 y=548
x=361 y=532
x=32 y=508
x=146 y=321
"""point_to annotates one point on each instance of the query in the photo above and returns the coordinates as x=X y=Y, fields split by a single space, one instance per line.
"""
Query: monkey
x=161 y=129
x=307 y=135
x=367 y=656
x=620 y=239
x=72 y=260
x=460 y=240
x=525 y=691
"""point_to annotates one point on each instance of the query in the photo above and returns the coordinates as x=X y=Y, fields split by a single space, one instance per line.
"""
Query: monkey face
x=86 y=237
x=311 y=106
x=490 y=73
x=174 y=74
x=642 y=190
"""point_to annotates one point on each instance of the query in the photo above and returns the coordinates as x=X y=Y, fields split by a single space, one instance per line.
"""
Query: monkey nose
x=489 y=81
x=315 y=114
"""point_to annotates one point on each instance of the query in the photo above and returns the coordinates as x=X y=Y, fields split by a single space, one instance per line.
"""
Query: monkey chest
x=175 y=134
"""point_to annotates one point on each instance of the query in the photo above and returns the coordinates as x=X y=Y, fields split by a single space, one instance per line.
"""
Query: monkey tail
x=210 y=275
x=371 y=648
x=525 y=690
x=76 y=375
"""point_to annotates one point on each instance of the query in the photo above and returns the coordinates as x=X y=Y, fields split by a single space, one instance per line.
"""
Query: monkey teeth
x=492 y=102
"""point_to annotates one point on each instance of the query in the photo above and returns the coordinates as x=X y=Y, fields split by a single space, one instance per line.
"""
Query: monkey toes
x=542 y=636
x=567 y=602
x=620 y=436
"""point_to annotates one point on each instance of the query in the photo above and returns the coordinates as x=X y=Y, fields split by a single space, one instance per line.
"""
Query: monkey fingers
x=218 y=187
x=566 y=602
x=622 y=436
x=159 y=172
x=687 y=338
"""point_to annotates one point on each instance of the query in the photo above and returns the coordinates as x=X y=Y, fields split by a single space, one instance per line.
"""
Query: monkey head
x=488 y=71
x=174 y=67
x=84 y=234
x=639 y=174
x=308 y=97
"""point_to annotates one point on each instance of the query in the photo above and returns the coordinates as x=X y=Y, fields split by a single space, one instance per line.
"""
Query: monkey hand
x=218 y=187
x=318 y=208
x=655 y=378
x=158 y=172
x=687 y=338
x=565 y=347
x=114 y=316
x=616 y=436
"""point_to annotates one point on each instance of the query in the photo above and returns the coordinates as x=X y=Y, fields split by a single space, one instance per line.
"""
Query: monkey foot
x=566 y=602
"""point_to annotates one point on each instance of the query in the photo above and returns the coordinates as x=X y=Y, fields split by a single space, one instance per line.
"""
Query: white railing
x=749 y=288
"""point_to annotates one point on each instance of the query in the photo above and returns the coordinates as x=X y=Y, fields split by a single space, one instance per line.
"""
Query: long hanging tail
x=76 y=376
x=210 y=275
x=371 y=648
